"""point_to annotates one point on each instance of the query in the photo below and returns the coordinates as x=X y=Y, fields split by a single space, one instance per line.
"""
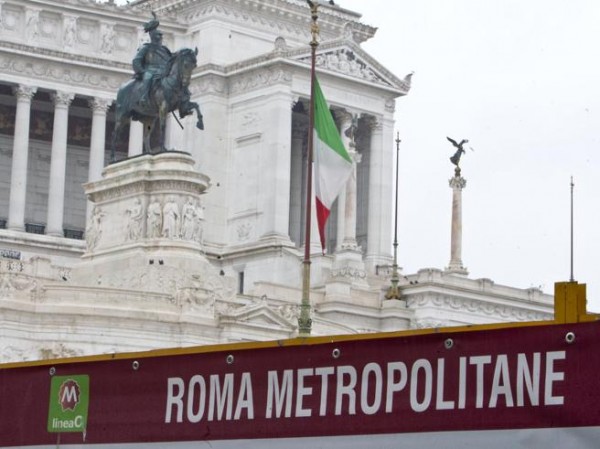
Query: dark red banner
x=516 y=378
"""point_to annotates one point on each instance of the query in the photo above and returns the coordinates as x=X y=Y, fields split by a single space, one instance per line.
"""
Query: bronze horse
x=167 y=94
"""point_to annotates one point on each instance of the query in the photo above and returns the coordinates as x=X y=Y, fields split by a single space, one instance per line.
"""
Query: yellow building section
x=569 y=307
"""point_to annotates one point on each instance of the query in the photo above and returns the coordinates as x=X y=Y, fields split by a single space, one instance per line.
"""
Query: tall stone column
x=299 y=131
x=345 y=122
x=58 y=163
x=381 y=192
x=457 y=183
x=346 y=201
x=136 y=138
x=18 y=180
x=97 y=147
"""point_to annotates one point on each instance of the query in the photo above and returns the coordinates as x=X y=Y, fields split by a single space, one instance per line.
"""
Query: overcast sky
x=520 y=80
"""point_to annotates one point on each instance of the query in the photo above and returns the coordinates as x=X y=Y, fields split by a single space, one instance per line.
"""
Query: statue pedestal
x=150 y=202
x=146 y=225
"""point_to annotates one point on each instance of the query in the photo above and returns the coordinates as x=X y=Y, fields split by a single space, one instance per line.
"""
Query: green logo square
x=69 y=399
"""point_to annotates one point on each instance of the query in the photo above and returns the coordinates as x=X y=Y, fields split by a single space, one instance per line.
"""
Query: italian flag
x=332 y=163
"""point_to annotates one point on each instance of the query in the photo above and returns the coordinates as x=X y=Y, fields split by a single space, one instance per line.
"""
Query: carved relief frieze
x=349 y=273
x=208 y=84
x=259 y=79
x=476 y=307
x=50 y=71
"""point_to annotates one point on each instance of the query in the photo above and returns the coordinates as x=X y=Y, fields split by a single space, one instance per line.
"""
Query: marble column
x=348 y=235
x=381 y=192
x=136 y=138
x=18 y=180
x=296 y=179
x=457 y=183
x=345 y=122
x=58 y=163
x=98 y=145
x=98 y=142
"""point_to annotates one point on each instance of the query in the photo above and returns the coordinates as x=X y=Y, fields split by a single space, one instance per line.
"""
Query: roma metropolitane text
x=478 y=381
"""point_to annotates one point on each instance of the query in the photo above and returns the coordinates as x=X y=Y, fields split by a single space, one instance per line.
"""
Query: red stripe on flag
x=322 y=216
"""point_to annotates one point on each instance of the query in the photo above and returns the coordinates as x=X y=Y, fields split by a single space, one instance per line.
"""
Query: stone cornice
x=292 y=16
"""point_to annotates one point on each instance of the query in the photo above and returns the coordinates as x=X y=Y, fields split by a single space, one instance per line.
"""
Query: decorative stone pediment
x=347 y=58
x=257 y=315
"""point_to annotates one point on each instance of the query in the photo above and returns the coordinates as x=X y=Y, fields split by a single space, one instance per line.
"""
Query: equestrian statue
x=160 y=85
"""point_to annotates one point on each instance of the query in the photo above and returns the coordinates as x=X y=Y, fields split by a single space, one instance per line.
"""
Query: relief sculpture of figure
x=170 y=219
x=188 y=223
x=134 y=225
x=154 y=217
x=199 y=224
x=160 y=85
x=94 y=229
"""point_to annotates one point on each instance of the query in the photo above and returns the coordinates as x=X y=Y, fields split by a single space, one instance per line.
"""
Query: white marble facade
x=221 y=264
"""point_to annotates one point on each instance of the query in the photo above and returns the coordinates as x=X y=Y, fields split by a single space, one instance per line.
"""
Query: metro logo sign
x=69 y=398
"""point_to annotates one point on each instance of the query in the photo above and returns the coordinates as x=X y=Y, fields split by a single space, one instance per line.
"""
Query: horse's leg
x=148 y=127
x=200 y=122
x=119 y=122
x=162 y=120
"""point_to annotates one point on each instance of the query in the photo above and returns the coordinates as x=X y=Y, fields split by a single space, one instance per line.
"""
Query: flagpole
x=304 y=321
x=393 y=292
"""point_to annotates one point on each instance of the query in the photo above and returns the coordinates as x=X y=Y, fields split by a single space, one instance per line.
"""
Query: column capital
x=99 y=104
x=24 y=92
x=457 y=183
x=374 y=123
x=62 y=98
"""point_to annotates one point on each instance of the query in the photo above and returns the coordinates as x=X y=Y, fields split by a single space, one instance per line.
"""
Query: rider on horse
x=151 y=60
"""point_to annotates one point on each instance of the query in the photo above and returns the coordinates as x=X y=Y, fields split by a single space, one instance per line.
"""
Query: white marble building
x=234 y=274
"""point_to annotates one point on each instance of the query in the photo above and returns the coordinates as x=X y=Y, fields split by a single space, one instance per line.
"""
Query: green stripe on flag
x=325 y=126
